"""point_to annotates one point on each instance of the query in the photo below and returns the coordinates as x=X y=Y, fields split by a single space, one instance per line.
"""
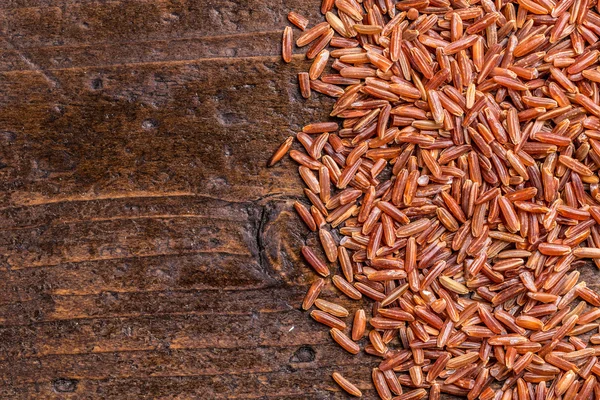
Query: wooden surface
x=145 y=250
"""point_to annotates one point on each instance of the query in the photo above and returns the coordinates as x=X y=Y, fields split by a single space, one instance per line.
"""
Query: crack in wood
x=240 y=35
x=271 y=58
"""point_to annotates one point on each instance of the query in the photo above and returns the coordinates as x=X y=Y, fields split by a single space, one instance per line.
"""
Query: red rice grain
x=298 y=20
x=313 y=293
x=287 y=43
x=346 y=385
x=344 y=341
x=460 y=183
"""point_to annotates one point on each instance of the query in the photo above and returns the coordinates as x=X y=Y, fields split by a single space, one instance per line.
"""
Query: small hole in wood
x=64 y=385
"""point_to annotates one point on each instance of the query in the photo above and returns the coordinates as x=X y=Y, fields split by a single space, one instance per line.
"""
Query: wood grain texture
x=145 y=250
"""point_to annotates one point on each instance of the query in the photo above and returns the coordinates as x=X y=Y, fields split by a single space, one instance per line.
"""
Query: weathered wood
x=146 y=251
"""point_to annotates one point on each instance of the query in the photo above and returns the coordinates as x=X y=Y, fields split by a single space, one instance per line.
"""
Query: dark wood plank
x=190 y=111
x=146 y=251
x=260 y=44
x=32 y=23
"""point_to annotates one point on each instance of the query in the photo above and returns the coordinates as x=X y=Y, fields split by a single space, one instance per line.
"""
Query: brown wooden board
x=145 y=250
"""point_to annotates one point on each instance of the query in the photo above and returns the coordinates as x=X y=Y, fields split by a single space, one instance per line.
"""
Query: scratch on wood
x=118 y=218
x=252 y=35
x=55 y=317
x=84 y=260
x=72 y=293
x=141 y=217
x=52 y=81
x=271 y=58
x=109 y=350
x=30 y=199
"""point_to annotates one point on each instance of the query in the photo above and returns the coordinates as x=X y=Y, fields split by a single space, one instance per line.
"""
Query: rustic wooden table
x=146 y=251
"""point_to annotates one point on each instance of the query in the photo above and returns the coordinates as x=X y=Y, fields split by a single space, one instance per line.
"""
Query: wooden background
x=145 y=250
